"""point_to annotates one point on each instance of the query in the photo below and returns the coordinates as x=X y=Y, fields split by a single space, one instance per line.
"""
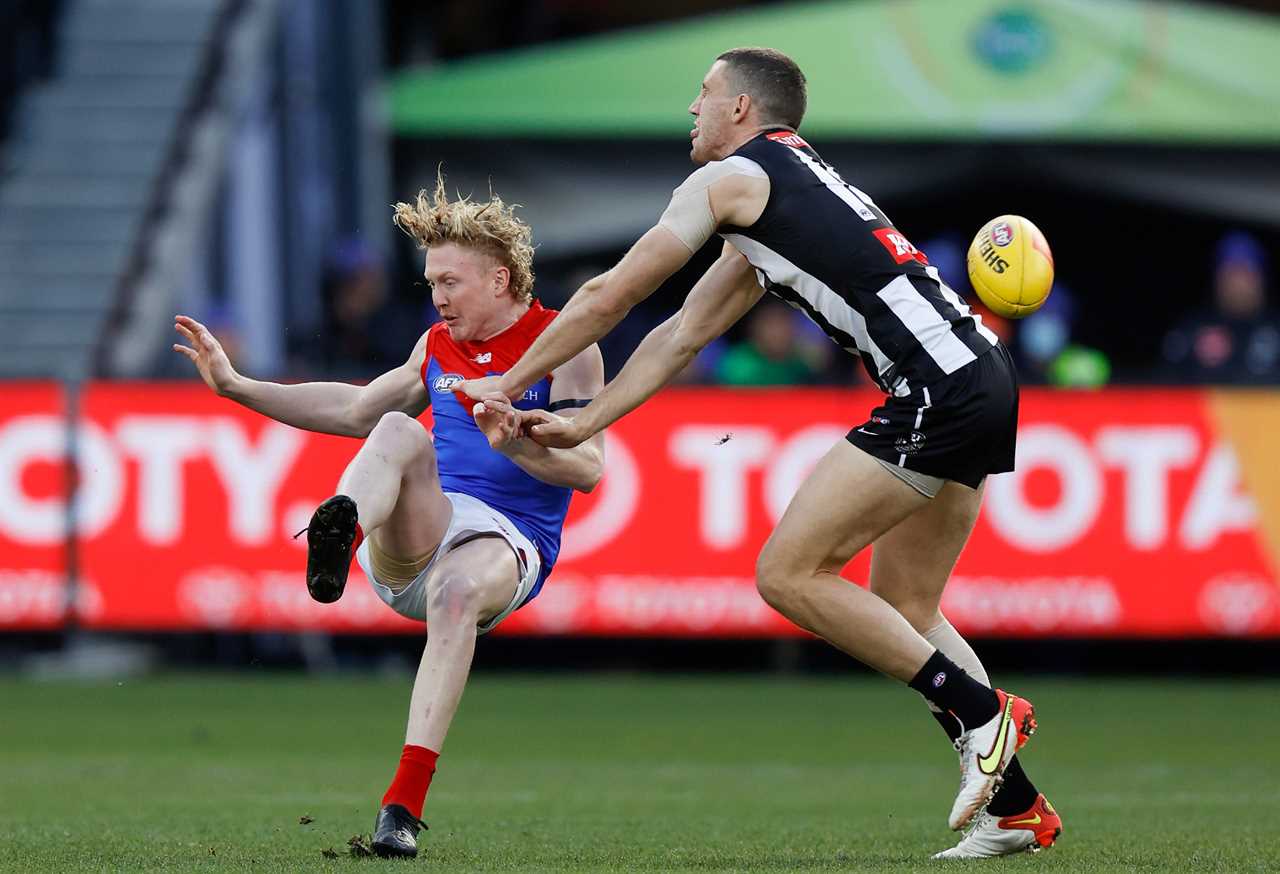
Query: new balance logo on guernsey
x=483 y=358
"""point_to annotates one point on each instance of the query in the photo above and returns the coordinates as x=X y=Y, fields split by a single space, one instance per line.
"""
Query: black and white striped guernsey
x=825 y=248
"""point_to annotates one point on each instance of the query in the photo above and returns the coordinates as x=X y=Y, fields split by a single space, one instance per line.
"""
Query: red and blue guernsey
x=465 y=461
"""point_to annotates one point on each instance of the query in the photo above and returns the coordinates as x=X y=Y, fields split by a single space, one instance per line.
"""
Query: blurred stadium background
x=235 y=160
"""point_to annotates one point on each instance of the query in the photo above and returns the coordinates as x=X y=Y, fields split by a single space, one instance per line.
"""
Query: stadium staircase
x=80 y=176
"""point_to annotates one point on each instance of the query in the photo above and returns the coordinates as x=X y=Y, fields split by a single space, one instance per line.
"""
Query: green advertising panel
x=976 y=69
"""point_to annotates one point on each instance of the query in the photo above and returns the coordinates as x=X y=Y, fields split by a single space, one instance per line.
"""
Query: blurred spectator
x=365 y=332
x=773 y=353
x=1046 y=353
x=1238 y=340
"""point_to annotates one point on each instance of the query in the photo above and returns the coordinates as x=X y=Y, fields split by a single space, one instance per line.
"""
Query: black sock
x=949 y=723
x=1016 y=794
x=948 y=687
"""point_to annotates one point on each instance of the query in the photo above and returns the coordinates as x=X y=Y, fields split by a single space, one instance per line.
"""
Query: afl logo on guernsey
x=1001 y=234
x=447 y=382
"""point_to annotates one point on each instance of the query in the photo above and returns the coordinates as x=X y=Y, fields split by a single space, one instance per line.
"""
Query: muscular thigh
x=421 y=514
x=912 y=561
x=843 y=505
x=484 y=568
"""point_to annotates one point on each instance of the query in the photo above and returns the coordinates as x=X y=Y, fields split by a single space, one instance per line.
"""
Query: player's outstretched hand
x=550 y=430
x=479 y=389
x=498 y=420
x=205 y=353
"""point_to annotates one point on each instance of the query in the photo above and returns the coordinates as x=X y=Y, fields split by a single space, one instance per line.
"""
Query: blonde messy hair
x=490 y=227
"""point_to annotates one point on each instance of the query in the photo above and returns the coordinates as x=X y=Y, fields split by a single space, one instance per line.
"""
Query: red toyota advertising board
x=1132 y=513
x=33 y=510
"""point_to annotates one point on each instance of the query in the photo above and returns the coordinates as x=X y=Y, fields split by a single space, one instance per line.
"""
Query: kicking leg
x=910 y=566
x=392 y=488
x=398 y=445
x=466 y=587
x=848 y=501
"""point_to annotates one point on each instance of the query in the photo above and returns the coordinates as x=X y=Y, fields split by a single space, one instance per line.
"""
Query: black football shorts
x=962 y=427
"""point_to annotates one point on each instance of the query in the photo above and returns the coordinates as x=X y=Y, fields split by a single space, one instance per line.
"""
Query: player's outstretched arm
x=721 y=297
x=593 y=311
x=572 y=386
x=326 y=407
x=732 y=192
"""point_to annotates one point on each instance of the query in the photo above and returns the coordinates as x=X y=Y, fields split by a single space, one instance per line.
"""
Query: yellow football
x=1010 y=266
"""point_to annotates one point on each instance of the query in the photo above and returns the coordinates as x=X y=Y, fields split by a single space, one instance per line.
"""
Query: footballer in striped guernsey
x=908 y=478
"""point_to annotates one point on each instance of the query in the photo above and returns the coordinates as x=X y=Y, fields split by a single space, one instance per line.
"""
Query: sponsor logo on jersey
x=880 y=420
x=909 y=443
x=1002 y=234
x=938 y=679
x=447 y=382
x=899 y=246
x=483 y=358
x=787 y=139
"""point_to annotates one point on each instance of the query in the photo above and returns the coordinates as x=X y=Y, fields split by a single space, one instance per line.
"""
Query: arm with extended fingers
x=327 y=407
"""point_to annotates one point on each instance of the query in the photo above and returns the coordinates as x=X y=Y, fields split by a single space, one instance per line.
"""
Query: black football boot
x=395 y=832
x=330 y=534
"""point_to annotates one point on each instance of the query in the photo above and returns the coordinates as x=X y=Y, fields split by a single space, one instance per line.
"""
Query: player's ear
x=501 y=280
x=741 y=107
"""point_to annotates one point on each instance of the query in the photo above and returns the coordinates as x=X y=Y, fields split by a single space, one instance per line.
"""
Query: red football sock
x=359 y=538
x=413 y=779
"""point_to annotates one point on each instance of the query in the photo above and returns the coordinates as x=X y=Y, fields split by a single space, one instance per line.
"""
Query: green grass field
x=617 y=772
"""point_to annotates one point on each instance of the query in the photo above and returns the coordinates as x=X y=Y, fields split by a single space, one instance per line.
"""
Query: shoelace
x=961 y=746
x=975 y=825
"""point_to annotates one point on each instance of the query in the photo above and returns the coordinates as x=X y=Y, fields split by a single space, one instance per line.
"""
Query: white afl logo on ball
x=447 y=382
x=1001 y=234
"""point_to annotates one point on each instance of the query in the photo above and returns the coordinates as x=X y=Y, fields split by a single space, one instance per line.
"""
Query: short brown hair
x=773 y=80
x=490 y=227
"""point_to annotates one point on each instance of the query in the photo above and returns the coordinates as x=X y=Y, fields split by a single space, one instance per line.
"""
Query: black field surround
x=824 y=247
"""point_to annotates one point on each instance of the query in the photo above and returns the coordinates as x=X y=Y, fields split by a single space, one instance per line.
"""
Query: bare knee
x=776 y=579
x=400 y=436
x=456 y=598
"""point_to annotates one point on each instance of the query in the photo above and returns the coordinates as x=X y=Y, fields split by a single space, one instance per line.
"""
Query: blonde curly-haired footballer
x=490 y=227
x=461 y=527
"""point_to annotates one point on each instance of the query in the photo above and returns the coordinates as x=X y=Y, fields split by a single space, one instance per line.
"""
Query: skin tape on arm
x=689 y=215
